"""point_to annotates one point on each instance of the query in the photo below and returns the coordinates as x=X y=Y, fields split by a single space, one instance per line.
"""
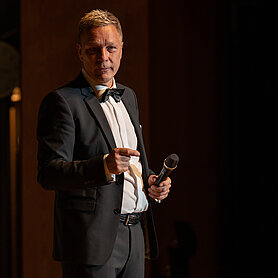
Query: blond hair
x=98 y=18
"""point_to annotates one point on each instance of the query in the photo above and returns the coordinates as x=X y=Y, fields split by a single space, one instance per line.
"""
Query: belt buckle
x=127 y=220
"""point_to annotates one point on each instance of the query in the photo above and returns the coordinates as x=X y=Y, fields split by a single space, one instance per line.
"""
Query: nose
x=103 y=54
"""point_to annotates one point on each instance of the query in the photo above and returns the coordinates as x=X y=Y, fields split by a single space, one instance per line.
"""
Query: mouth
x=103 y=69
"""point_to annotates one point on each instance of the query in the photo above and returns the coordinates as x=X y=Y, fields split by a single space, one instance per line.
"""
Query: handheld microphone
x=170 y=164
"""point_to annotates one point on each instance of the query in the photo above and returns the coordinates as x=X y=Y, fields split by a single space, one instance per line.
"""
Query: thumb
x=152 y=179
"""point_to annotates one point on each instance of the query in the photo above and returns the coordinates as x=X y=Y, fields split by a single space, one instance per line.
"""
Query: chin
x=104 y=80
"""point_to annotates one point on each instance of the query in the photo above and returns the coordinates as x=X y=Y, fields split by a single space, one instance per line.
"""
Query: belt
x=130 y=218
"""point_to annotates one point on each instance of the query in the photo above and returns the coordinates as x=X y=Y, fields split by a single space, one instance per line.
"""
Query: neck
x=97 y=87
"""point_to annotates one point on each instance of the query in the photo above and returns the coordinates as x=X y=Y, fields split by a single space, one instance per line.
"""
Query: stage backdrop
x=169 y=60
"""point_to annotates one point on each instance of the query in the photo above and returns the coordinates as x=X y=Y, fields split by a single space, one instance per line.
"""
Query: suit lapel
x=134 y=121
x=96 y=109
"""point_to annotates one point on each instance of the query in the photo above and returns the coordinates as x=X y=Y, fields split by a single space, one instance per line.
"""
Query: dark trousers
x=127 y=259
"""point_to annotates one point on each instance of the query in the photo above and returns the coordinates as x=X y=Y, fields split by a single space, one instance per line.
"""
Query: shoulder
x=74 y=89
x=71 y=92
x=128 y=93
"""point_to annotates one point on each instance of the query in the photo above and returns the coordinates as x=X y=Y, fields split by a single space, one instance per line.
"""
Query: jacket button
x=117 y=211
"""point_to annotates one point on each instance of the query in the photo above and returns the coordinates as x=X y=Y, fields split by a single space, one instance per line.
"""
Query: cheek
x=117 y=60
x=88 y=60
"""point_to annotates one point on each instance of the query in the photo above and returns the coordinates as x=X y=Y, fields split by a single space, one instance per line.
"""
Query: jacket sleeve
x=56 y=141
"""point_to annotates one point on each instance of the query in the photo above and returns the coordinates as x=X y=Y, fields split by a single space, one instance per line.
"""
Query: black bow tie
x=115 y=93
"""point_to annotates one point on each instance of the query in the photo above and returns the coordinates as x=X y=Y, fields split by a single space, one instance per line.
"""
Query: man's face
x=100 y=52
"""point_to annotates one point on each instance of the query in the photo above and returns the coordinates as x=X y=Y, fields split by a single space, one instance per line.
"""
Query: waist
x=130 y=218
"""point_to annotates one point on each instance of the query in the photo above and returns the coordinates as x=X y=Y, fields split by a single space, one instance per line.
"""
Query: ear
x=79 y=51
x=122 y=46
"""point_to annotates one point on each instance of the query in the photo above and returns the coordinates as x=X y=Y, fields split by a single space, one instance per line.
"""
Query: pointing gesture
x=118 y=160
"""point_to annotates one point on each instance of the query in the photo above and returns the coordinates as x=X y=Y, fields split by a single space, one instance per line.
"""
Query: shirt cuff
x=110 y=177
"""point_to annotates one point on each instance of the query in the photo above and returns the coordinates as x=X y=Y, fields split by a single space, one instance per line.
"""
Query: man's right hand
x=118 y=160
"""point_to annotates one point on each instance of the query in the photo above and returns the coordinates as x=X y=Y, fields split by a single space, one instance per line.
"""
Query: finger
x=158 y=190
x=124 y=169
x=120 y=169
x=163 y=184
x=127 y=152
x=161 y=194
x=122 y=164
x=122 y=158
x=158 y=197
x=167 y=182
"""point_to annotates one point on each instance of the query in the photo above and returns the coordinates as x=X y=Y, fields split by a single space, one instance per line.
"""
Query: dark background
x=205 y=76
x=9 y=33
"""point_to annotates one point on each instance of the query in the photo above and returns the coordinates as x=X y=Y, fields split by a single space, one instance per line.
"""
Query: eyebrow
x=94 y=43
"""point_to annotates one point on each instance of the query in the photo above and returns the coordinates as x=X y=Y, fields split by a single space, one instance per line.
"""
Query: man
x=91 y=153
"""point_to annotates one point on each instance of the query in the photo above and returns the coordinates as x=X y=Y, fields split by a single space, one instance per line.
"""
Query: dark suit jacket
x=73 y=135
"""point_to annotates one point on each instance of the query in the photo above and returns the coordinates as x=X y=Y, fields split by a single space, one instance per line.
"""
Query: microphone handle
x=164 y=173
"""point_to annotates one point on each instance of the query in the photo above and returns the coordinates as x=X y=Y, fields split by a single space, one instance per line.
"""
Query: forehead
x=108 y=33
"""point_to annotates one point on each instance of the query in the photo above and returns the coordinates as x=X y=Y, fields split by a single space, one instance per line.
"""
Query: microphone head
x=171 y=161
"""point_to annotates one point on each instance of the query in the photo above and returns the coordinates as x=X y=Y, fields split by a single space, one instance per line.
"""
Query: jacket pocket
x=77 y=200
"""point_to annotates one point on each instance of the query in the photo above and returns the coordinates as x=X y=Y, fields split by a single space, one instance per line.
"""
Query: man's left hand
x=161 y=191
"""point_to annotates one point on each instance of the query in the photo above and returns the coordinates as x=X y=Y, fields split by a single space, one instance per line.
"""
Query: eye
x=91 y=50
x=111 y=48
